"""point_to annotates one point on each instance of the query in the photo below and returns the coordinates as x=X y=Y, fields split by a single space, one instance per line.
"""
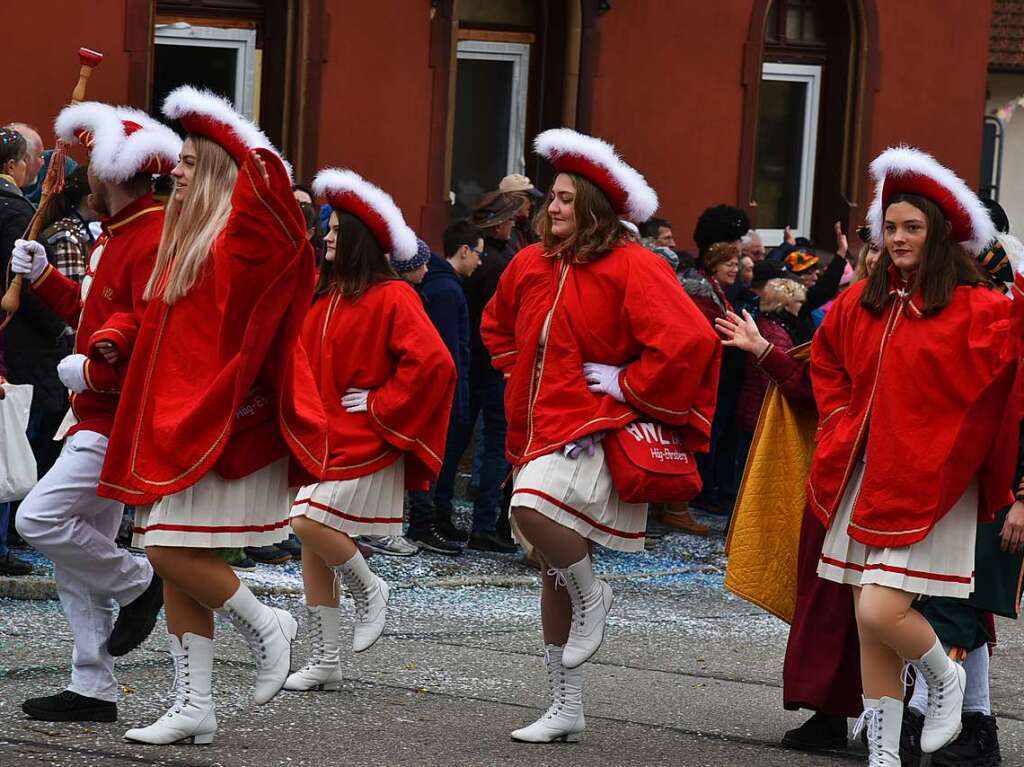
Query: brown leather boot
x=678 y=517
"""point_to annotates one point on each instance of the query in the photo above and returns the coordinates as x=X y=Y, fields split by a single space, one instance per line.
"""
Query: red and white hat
x=348 y=191
x=121 y=141
x=204 y=113
x=906 y=170
x=597 y=161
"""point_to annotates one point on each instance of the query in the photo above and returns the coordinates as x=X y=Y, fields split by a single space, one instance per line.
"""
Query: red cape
x=218 y=380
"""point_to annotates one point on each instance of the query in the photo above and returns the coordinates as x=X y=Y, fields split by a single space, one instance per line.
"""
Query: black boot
x=910 y=737
x=821 y=732
x=135 y=620
x=69 y=706
x=449 y=530
x=976 y=746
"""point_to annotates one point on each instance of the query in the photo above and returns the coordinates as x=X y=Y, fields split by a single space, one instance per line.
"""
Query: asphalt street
x=689 y=675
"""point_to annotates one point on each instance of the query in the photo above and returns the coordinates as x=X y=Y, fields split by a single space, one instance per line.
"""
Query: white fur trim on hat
x=101 y=120
x=641 y=199
x=154 y=140
x=340 y=181
x=903 y=159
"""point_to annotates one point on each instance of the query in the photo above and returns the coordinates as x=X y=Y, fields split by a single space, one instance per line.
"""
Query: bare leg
x=331 y=546
x=186 y=615
x=558 y=545
x=890 y=631
x=555 y=610
x=200 y=573
x=318 y=580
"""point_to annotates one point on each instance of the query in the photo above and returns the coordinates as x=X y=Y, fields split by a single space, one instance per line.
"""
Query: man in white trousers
x=63 y=517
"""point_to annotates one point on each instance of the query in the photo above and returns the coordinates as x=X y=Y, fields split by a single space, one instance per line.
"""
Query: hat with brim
x=495 y=209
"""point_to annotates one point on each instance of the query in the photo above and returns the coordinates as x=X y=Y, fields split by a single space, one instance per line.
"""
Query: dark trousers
x=486 y=401
x=422 y=512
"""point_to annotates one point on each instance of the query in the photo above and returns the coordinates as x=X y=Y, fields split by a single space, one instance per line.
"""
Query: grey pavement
x=689 y=675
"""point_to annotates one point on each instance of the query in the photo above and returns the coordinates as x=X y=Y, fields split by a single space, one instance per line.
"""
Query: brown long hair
x=945 y=264
x=359 y=260
x=598 y=229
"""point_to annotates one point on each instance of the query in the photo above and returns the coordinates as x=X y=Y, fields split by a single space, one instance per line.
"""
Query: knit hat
x=348 y=191
x=121 y=141
x=412 y=264
x=906 y=170
x=597 y=161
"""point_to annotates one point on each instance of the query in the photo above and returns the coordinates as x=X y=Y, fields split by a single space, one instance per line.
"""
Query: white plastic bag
x=17 y=463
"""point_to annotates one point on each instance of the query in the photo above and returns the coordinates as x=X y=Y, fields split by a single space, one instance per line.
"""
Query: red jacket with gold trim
x=384 y=342
x=626 y=308
x=219 y=380
x=925 y=400
x=108 y=305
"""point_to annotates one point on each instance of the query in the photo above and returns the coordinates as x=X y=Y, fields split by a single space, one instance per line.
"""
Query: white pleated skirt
x=220 y=513
x=941 y=565
x=369 y=505
x=579 y=494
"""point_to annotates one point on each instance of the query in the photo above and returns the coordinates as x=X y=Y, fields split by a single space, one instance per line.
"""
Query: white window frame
x=241 y=40
x=810 y=75
x=519 y=55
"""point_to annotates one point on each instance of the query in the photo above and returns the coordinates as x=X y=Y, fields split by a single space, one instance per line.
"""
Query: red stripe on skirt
x=592 y=522
x=897 y=570
x=212 y=528
x=349 y=517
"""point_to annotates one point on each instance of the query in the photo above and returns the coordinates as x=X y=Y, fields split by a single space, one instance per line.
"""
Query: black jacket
x=35 y=341
x=480 y=287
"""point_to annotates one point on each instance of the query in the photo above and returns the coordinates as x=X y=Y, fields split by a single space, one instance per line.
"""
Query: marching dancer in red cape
x=219 y=396
x=912 y=372
x=593 y=332
x=63 y=517
x=386 y=380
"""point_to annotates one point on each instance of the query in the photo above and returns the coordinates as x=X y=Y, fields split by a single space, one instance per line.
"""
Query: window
x=991 y=158
x=787 y=130
x=490 y=118
x=223 y=60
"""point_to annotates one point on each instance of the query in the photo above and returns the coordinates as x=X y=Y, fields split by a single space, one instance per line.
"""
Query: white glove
x=28 y=258
x=71 y=372
x=586 y=444
x=355 y=400
x=604 y=379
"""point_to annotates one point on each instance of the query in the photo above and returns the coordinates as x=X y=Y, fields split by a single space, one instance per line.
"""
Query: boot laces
x=316 y=655
x=360 y=593
x=556 y=684
x=577 y=600
x=252 y=637
x=872 y=718
x=180 y=686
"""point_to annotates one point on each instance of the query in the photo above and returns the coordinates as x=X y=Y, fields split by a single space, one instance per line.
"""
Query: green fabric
x=997 y=574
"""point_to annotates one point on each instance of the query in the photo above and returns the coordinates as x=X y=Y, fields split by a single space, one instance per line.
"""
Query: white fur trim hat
x=906 y=170
x=348 y=191
x=597 y=161
x=204 y=113
x=121 y=141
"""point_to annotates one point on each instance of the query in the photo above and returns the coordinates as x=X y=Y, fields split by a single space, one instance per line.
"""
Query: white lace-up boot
x=323 y=669
x=563 y=721
x=884 y=720
x=591 y=600
x=946 y=683
x=370 y=595
x=269 y=632
x=191 y=717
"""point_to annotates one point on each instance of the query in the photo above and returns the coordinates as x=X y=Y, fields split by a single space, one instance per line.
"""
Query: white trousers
x=67 y=521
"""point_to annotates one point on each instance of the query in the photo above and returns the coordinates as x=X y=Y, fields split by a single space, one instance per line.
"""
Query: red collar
x=143 y=206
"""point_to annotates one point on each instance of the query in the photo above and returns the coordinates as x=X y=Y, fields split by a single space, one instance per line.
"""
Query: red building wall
x=375 y=98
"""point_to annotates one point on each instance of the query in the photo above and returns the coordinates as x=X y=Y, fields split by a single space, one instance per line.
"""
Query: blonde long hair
x=191 y=227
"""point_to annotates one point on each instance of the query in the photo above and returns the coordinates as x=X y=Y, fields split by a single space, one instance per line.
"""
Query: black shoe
x=12 y=565
x=910 y=738
x=447 y=528
x=821 y=732
x=431 y=540
x=293 y=546
x=135 y=620
x=243 y=563
x=489 y=541
x=69 y=706
x=268 y=555
x=976 y=746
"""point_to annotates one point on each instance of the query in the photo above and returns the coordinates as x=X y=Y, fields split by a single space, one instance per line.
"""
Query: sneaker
x=12 y=565
x=390 y=545
x=268 y=555
x=821 y=732
x=431 y=540
x=976 y=746
x=447 y=528
x=293 y=546
x=244 y=563
x=491 y=541
x=69 y=706
x=910 y=738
